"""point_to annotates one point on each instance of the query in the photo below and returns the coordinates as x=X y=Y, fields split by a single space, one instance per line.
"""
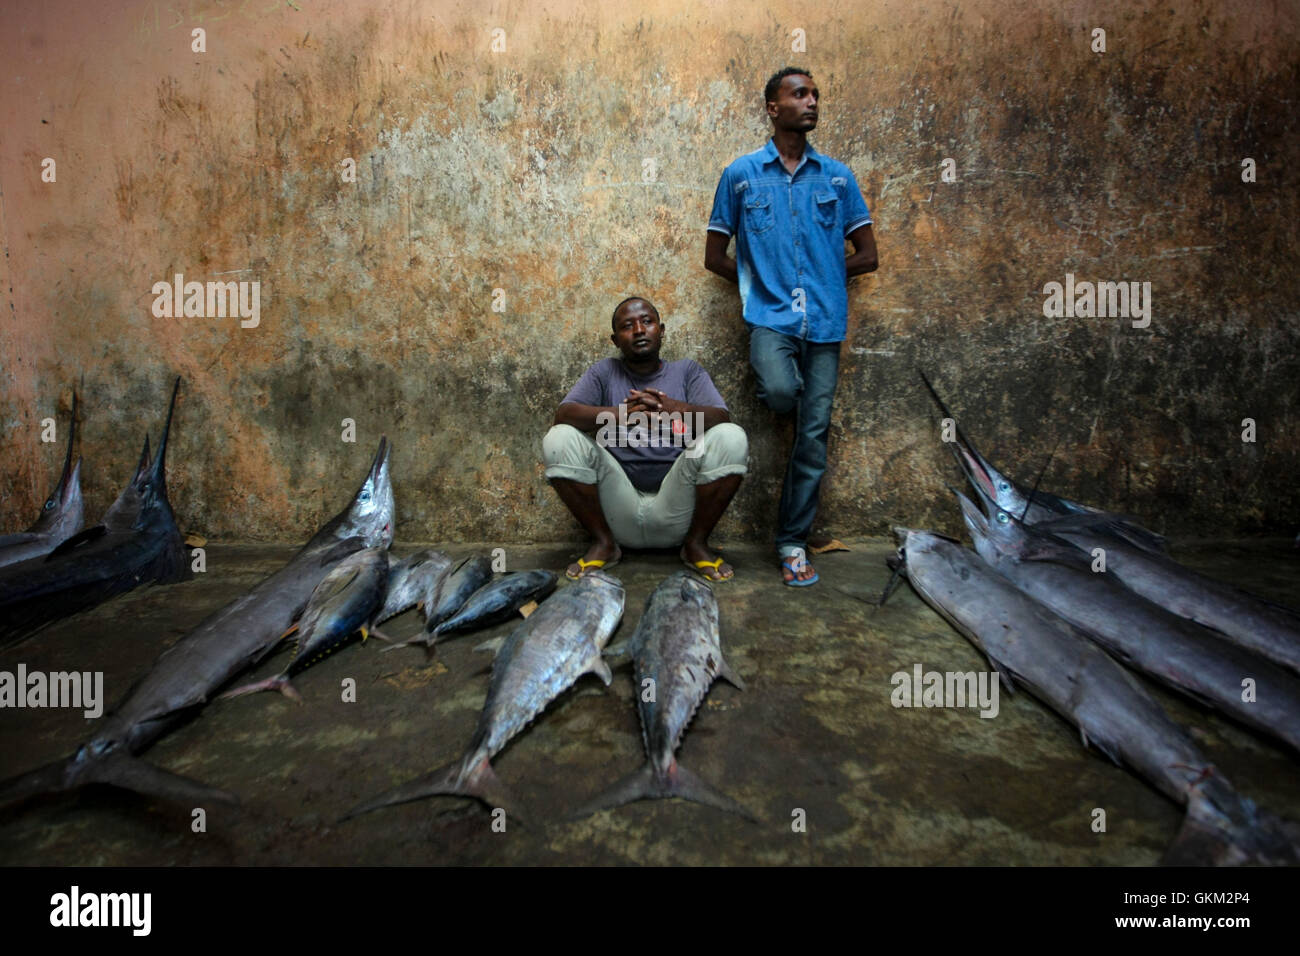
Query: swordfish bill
x=1038 y=505
x=186 y=675
x=545 y=655
x=1030 y=645
x=61 y=516
x=137 y=543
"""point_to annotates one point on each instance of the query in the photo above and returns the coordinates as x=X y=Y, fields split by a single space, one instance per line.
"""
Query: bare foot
x=609 y=553
x=693 y=553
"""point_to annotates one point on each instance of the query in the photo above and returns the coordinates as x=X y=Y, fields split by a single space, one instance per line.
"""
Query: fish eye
x=365 y=495
x=1003 y=486
x=1002 y=517
x=49 y=504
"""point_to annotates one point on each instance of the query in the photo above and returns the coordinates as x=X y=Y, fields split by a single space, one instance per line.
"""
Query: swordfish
x=1175 y=651
x=136 y=543
x=61 y=517
x=225 y=643
x=1136 y=557
x=1030 y=645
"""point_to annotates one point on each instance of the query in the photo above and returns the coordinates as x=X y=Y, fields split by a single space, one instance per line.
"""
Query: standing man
x=790 y=209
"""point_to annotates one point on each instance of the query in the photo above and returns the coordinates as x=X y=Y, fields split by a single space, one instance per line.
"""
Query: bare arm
x=716 y=259
x=864 y=258
x=581 y=417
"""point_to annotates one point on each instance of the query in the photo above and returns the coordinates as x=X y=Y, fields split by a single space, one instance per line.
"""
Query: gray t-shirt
x=645 y=457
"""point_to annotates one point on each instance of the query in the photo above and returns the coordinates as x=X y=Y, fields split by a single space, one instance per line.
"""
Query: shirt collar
x=810 y=155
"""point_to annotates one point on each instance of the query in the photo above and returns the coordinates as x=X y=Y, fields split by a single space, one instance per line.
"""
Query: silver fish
x=560 y=642
x=677 y=651
x=1030 y=645
x=226 y=642
x=1175 y=651
x=346 y=601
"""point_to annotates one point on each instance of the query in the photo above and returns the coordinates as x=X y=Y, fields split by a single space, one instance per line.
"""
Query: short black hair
x=613 y=319
x=774 y=83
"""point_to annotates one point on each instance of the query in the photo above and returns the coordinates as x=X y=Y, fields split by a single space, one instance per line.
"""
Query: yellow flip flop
x=585 y=566
x=699 y=566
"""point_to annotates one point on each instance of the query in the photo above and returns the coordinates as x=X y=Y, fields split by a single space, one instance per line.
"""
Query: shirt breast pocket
x=827 y=209
x=758 y=215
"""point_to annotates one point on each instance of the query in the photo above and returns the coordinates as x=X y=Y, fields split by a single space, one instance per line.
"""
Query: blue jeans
x=799 y=376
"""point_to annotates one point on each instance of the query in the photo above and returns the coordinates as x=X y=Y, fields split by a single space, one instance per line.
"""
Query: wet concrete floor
x=814 y=738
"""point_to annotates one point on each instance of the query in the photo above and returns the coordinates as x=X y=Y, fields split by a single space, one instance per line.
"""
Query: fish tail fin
x=131 y=773
x=52 y=778
x=118 y=770
x=645 y=784
x=1235 y=835
x=688 y=786
x=638 y=785
x=279 y=682
x=458 y=779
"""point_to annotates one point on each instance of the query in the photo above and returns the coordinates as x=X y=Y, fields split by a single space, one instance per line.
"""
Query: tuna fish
x=225 y=643
x=346 y=601
x=137 y=543
x=413 y=582
x=546 y=654
x=677 y=653
x=449 y=596
x=61 y=517
x=1031 y=646
x=498 y=601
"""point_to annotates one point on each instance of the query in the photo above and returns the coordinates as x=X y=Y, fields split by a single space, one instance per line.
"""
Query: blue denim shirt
x=790 y=232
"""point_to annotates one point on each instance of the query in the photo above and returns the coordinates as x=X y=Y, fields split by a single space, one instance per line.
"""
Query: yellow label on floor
x=528 y=608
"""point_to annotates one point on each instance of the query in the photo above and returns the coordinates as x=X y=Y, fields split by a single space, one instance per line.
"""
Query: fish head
x=123 y=513
x=369 y=515
x=64 y=510
x=151 y=484
x=994 y=531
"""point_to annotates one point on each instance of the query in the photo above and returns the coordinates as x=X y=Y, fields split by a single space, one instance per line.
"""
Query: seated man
x=643 y=451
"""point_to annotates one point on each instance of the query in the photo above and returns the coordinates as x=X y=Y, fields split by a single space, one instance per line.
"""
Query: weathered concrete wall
x=522 y=170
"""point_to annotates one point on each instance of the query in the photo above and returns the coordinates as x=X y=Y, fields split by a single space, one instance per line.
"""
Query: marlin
x=136 y=543
x=1177 y=652
x=557 y=644
x=1037 y=505
x=187 y=674
x=677 y=652
x=61 y=517
x=1031 y=646
x=1132 y=555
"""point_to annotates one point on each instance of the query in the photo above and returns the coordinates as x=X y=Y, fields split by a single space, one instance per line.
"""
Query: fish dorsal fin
x=78 y=539
x=344 y=548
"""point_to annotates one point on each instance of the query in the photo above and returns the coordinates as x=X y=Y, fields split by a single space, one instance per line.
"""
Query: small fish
x=498 y=600
x=449 y=594
x=412 y=582
x=346 y=601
